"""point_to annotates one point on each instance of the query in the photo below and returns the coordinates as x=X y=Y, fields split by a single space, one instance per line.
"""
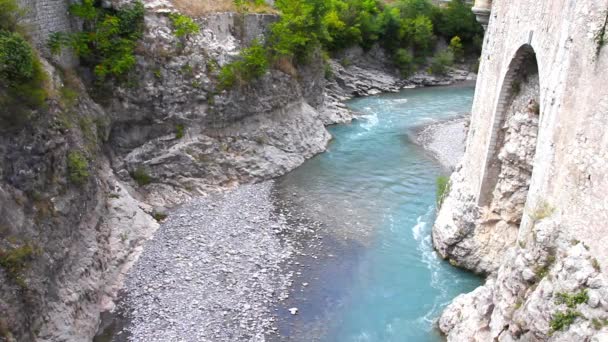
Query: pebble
x=212 y=271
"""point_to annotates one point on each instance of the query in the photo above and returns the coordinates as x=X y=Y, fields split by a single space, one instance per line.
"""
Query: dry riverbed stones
x=212 y=272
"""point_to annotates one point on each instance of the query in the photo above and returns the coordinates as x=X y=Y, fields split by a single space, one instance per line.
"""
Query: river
x=375 y=277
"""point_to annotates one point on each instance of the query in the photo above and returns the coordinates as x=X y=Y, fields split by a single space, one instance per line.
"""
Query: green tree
x=457 y=19
x=456 y=47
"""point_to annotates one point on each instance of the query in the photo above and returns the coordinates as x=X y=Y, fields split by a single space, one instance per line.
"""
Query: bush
x=16 y=58
x=108 y=40
x=183 y=26
x=141 y=177
x=179 y=131
x=252 y=63
x=456 y=47
x=562 y=320
x=441 y=62
x=15 y=260
x=405 y=62
x=10 y=14
x=457 y=19
x=78 y=168
x=572 y=300
x=443 y=187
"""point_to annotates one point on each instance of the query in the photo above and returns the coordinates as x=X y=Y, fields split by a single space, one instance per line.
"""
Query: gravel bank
x=212 y=271
x=445 y=140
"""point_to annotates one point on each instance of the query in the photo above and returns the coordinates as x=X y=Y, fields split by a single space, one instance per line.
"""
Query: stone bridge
x=529 y=205
x=566 y=40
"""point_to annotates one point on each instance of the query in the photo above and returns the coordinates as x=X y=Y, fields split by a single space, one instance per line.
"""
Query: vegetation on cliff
x=22 y=80
x=108 y=40
x=407 y=29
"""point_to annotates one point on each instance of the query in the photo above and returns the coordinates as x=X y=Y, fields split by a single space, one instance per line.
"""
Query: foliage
x=108 y=40
x=243 y=5
x=572 y=300
x=407 y=29
x=78 y=167
x=541 y=211
x=183 y=26
x=456 y=47
x=443 y=187
x=252 y=63
x=562 y=320
x=457 y=19
x=158 y=216
x=10 y=15
x=15 y=260
x=141 y=177
x=405 y=62
x=441 y=62
x=179 y=131
x=22 y=78
x=16 y=58
x=301 y=28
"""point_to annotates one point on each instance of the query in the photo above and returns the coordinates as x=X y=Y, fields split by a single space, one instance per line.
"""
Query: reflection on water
x=376 y=277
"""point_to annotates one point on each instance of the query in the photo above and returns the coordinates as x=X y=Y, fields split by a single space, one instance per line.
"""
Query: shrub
x=443 y=187
x=109 y=39
x=179 y=131
x=158 y=216
x=562 y=320
x=16 y=58
x=22 y=78
x=78 y=168
x=457 y=19
x=441 y=62
x=252 y=63
x=456 y=47
x=141 y=177
x=16 y=260
x=405 y=62
x=10 y=15
x=183 y=26
x=243 y=5
x=572 y=300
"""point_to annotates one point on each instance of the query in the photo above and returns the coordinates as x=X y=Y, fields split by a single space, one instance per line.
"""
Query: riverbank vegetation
x=409 y=30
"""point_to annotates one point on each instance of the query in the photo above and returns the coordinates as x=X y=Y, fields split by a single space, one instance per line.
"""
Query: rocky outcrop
x=531 y=297
x=189 y=137
x=65 y=242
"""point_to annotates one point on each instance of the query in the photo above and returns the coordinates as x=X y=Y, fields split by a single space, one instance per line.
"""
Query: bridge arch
x=523 y=66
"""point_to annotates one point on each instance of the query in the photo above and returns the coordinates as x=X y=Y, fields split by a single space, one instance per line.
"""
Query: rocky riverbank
x=212 y=271
x=445 y=140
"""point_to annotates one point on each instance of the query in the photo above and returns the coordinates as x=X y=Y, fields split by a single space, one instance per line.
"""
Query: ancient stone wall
x=42 y=18
x=560 y=245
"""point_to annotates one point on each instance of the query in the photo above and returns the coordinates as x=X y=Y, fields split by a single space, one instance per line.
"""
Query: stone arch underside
x=510 y=159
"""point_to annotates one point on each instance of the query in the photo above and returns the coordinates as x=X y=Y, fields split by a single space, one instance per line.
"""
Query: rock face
x=527 y=206
x=190 y=138
x=66 y=243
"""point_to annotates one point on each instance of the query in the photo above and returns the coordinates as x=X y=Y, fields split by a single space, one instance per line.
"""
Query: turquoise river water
x=376 y=278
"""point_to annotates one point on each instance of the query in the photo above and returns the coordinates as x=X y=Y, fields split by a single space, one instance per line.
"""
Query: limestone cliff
x=528 y=206
x=73 y=218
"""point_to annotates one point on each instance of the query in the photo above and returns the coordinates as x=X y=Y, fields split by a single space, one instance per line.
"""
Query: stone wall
x=45 y=17
x=567 y=204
